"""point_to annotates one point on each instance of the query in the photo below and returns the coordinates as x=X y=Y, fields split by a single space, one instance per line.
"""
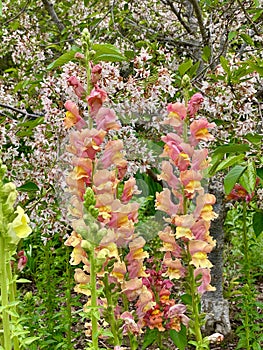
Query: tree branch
x=14 y=109
x=50 y=9
x=199 y=17
x=248 y=18
x=178 y=15
x=19 y=13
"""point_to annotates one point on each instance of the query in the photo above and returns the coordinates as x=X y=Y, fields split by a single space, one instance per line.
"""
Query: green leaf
x=229 y=161
x=260 y=172
x=232 y=35
x=30 y=340
x=232 y=177
x=28 y=187
x=32 y=123
x=225 y=64
x=257 y=222
x=63 y=59
x=149 y=337
x=206 y=53
x=108 y=58
x=183 y=68
x=192 y=71
x=186 y=299
x=129 y=54
x=23 y=280
x=232 y=148
x=247 y=39
x=179 y=338
x=1 y=8
x=253 y=138
x=107 y=52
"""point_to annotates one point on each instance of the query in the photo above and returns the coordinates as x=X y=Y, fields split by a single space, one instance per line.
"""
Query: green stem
x=247 y=270
x=68 y=301
x=12 y=299
x=93 y=287
x=195 y=305
x=4 y=293
x=245 y=244
x=110 y=310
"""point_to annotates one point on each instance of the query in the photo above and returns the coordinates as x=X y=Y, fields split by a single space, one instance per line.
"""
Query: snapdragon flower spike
x=187 y=236
x=100 y=165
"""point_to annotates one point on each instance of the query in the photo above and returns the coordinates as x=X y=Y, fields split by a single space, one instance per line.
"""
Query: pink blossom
x=72 y=116
x=194 y=104
x=177 y=312
x=199 y=131
x=167 y=175
x=205 y=280
x=169 y=243
x=22 y=260
x=96 y=73
x=199 y=250
x=85 y=143
x=191 y=182
x=77 y=86
x=96 y=99
x=129 y=190
x=132 y=288
x=106 y=119
x=164 y=202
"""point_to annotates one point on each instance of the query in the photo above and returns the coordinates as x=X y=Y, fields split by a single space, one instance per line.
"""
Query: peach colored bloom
x=169 y=243
x=204 y=206
x=164 y=202
x=205 y=280
x=129 y=190
x=199 y=250
x=85 y=143
x=119 y=270
x=175 y=267
x=200 y=160
x=167 y=175
x=106 y=119
x=132 y=288
x=73 y=117
x=191 y=182
x=199 y=131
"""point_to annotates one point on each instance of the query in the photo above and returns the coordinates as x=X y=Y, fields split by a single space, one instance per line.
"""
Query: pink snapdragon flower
x=77 y=86
x=73 y=117
x=194 y=104
x=205 y=280
x=199 y=131
x=96 y=99
x=106 y=119
x=96 y=73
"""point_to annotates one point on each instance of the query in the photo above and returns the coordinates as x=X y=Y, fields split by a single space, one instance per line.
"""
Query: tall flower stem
x=12 y=299
x=94 y=306
x=68 y=301
x=247 y=270
x=110 y=311
x=4 y=293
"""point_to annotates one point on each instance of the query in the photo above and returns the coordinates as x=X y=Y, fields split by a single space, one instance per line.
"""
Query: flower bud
x=86 y=245
x=186 y=82
x=28 y=296
x=85 y=38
